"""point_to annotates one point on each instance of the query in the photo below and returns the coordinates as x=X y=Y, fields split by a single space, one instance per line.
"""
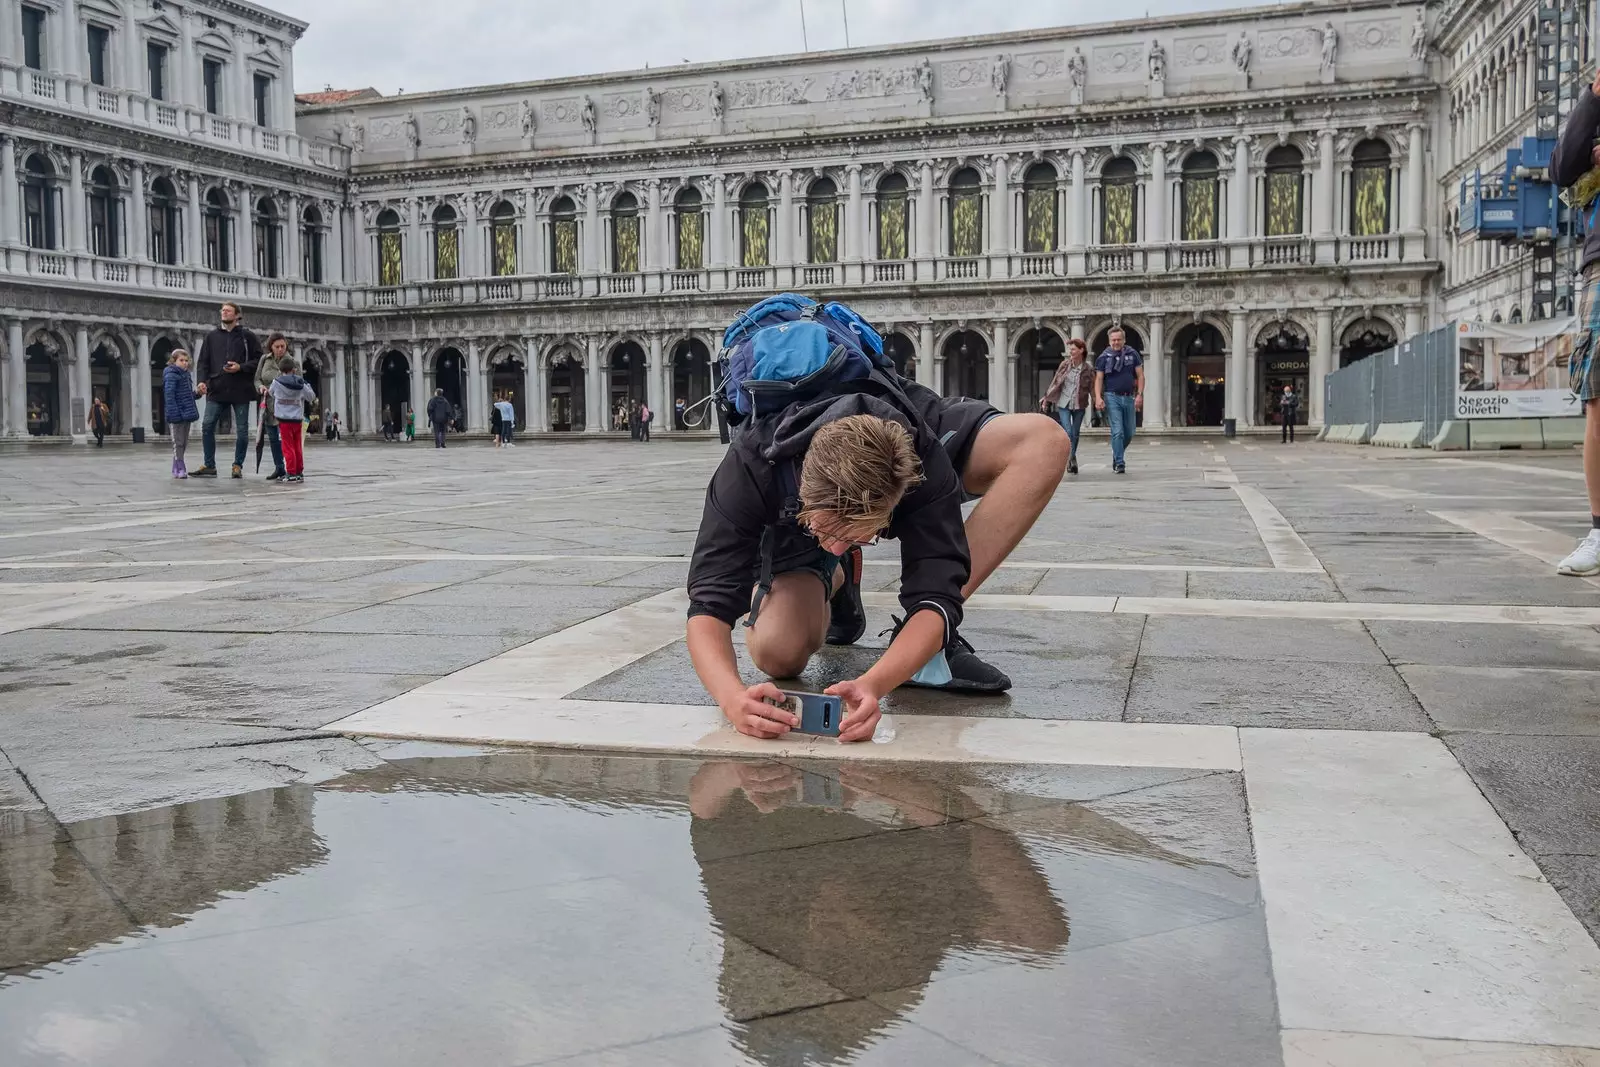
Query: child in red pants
x=290 y=394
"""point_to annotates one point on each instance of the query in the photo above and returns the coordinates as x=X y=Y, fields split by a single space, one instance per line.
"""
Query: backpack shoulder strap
x=789 y=491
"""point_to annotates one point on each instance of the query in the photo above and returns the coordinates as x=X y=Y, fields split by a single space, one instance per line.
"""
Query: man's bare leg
x=791 y=625
x=1017 y=461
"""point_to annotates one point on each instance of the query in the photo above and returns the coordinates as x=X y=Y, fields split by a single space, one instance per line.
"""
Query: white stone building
x=1243 y=190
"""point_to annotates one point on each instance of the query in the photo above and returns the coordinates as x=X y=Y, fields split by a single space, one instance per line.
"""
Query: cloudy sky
x=418 y=45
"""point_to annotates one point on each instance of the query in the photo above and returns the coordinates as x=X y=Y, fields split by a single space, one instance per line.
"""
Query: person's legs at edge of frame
x=275 y=442
x=294 y=456
x=1584 y=562
x=1015 y=465
x=1071 y=420
x=180 y=443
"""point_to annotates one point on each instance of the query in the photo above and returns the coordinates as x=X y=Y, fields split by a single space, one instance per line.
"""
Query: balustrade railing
x=810 y=276
x=888 y=272
x=1115 y=259
x=44 y=86
x=685 y=281
x=961 y=269
x=621 y=283
x=174 y=279
x=441 y=294
x=750 y=278
x=1367 y=249
x=167 y=116
x=561 y=285
x=1285 y=251
x=114 y=272
x=386 y=298
x=1195 y=256
x=1038 y=265
x=108 y=101
x=499 y=290
x=275 y=290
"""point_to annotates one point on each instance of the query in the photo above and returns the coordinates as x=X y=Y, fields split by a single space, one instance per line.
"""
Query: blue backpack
x=788 y=348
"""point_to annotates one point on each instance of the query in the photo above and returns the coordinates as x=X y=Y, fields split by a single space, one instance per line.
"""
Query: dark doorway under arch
x=105 y=383
x=1365 y=338
x=626 y=385
x=1202 y=358
x=450 y=374
x=567 y=395
x=508 y=380
x=902 y=353
x=1039 y=352
x=966 y=365
x=43 y=372
x=394 y=389
x=691 y=382
x=1283 y=358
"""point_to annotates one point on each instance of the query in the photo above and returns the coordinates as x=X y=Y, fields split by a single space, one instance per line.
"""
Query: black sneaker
x=957 y=668
x=276 y=476
x=1121 y=468
x=203 y=472
x=847 y=618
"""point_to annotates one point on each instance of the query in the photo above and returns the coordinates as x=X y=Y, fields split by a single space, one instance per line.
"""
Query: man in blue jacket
x=1119 y=392
x=1575 y=154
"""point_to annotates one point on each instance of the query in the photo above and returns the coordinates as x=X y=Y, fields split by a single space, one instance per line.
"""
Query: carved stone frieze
x=1367 y=35
x=876 y=81
x=1120 y=60
x=562 y=111
x=443 y=125
x=767 y=92
x=684 y=99
x=621 y=105
x=1210 y=50
x=1039 y=66
x=500 y=120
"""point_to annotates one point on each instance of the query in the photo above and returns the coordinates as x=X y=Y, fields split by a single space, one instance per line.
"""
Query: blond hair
x=856 y=470
x=175 y=355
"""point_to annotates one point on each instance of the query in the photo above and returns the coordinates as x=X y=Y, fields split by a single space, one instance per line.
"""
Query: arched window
x=39 y=198
x=966 y=213
x=822 y=222
x=105 y=215
x=691 y=229
x=269 y=232
x=1285 y=192
x=391 y=269
x=564 y=236
x=219 y=246
x=894 y=218
x=1119 y=223
x=165 y=235
x=1516 y=315
x=1199 y=197
x=446 y=243
x=754 y=226
x=311 y=245
x=1369 y=189
x=1039 y=209
x=625 y=234
x=503 y=239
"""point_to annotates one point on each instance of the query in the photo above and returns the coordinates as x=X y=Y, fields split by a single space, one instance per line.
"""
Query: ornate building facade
x=1246 y=192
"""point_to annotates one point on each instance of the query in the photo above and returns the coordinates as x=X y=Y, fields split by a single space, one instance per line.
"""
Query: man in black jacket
x=439 y=414
x=1575 y=154
x=801 y=491
x=226 y=368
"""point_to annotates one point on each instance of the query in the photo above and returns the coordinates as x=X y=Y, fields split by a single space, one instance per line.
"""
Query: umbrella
x=261 y=433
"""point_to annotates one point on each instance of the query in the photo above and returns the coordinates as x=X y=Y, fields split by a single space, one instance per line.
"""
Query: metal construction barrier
x=1401 y=396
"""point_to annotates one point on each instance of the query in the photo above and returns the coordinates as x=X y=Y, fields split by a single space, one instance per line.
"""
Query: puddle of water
x=527 y=907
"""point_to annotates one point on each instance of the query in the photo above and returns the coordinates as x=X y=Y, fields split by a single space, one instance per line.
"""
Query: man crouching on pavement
x=881 y=457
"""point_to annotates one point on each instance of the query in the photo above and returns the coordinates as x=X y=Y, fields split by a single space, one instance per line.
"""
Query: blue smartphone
x=818 y=714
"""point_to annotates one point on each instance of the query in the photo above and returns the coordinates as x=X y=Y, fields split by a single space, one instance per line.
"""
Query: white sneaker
x=1585 y=559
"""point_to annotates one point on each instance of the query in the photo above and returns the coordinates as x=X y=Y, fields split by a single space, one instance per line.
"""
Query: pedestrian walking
x=645 y=415
x=266 y=373
x=226 y=367
x=508 y=421
x=1119 y=392
x=99 y=421
x=1576 y=153
x=1288 y=411
x=411 y=425
x=332 y=431
x=179 y=407
x=494 y=424
x=1068 y=396
x=678 y=407
x=439 y=414
x=290 y=394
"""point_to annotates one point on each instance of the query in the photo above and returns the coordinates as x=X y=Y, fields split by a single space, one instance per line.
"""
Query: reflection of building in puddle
x=834 y=883
x=162 y=865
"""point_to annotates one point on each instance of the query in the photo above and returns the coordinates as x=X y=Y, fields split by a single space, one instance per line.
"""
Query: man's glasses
x=826 y=535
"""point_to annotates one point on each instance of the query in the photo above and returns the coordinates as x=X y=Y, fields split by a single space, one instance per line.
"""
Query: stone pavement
x=1302 y=766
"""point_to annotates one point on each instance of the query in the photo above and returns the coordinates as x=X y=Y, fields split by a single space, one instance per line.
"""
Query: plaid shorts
x=1585 y=367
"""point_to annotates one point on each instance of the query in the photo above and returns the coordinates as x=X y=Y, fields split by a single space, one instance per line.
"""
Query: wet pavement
x=530 y=908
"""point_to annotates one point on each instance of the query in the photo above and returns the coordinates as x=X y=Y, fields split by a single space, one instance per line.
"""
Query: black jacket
x=1572 y=158
x=221 y=347
x=439 y=411
x=745 y=498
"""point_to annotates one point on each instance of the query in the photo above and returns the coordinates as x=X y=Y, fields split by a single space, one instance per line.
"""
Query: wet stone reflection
x=529 y=908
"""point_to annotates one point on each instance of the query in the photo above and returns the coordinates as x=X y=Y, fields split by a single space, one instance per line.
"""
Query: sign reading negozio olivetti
x=1515 y=371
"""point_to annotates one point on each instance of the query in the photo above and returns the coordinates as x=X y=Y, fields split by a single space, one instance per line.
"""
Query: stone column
x=783 y=253
x=1415 y=172
x=80 y=389
x=10 y=193
x=291 y=240
x=71 y=37
x=141 y=382
x=1078 y=237
x=596 y=389
x=1157 y=375
x=999 y=355
x=1414 y=322
x=717 y=232
x=1156 y=204
x=419 y=386
x=341 y=394
x=1325 y=198
x=193 y=226
x=655 y=239
x=472 y=398
x=413 y=255
x=244 y=110
x=925 y=357
x=76 y=205
x=1078 y=335
x=927 y=212
x=529 y=248
x=1239 y=203
x=1321 y=367
x=1000 y=210
x=655 y=393
x=476 y=263
x=136 y=224
x=1238 y=363
x=538 y=386
x=594 y=260
x=244 y=245
x=16 y=371
x=286 y=120
x=854 y=228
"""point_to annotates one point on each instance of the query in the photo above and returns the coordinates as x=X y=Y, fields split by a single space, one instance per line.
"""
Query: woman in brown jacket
x=1068 y=396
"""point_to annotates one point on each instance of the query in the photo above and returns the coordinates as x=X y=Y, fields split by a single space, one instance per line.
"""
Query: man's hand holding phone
x=750 y=713
x=861 y=709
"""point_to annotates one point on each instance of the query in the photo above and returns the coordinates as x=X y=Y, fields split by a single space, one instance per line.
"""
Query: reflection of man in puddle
x=806 y=867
